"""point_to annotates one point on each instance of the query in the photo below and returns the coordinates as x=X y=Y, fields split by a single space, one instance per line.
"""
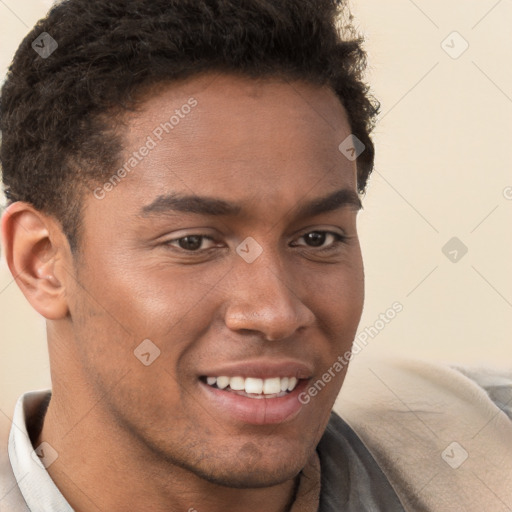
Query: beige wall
x=443 y=166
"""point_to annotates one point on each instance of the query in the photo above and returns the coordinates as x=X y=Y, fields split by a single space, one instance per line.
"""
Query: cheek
x=147 y=299
x=337 y=298
x=127 y=360
x=117 y=309
x=338 y=309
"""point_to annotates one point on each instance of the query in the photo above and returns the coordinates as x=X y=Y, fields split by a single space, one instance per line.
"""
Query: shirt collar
x=38 y=489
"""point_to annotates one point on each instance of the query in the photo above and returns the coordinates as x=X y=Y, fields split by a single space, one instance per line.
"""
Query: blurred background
x=436 y=228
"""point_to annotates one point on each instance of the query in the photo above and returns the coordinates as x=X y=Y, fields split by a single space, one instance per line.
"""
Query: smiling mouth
x=274 y=387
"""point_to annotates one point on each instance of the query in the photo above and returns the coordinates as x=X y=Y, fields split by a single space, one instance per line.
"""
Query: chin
x=255 y=478
x=249 y=467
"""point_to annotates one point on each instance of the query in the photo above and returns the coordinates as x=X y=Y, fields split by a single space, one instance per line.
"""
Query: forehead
x=226 y=102
x=237 y=138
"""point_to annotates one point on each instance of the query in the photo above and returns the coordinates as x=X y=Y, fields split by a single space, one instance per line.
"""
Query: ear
x=36 y=251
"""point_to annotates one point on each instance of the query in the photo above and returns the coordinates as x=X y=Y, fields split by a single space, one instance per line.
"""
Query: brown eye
x=190 y=243
x=318 y=239
x=315 y=238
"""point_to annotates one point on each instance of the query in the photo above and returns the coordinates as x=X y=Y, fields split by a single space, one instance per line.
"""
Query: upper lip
x=262 y=369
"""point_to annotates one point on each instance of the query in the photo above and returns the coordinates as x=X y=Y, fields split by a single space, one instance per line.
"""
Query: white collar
x=34 y=481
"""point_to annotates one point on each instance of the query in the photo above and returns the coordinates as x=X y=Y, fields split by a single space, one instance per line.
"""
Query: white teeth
x=222 y=382
x=237 y=383
x=292 y=383
x=272 y=386
x=253 y=386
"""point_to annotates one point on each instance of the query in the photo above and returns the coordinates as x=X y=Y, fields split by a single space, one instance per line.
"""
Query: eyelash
x=338 y=239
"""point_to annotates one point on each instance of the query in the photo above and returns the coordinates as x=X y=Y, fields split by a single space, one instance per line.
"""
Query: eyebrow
x=212 y=206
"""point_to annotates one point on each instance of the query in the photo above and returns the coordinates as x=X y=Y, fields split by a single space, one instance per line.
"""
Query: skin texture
x=136 y=437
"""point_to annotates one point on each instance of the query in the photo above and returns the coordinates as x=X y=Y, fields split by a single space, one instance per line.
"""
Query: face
x=221 y=268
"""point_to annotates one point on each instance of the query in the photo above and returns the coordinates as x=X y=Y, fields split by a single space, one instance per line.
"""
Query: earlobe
x=33 y=251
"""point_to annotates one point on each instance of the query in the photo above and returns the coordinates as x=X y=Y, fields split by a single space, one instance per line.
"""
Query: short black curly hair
x=59 y=115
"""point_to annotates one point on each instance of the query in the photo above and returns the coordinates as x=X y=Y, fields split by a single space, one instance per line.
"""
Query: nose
x=263 y=300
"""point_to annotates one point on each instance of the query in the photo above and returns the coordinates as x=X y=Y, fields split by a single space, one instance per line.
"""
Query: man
x=183 y=181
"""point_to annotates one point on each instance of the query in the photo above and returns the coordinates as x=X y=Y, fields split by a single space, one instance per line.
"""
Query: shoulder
x=442 y=438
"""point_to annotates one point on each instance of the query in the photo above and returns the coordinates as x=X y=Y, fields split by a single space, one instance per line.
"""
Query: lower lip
x=257 y=411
